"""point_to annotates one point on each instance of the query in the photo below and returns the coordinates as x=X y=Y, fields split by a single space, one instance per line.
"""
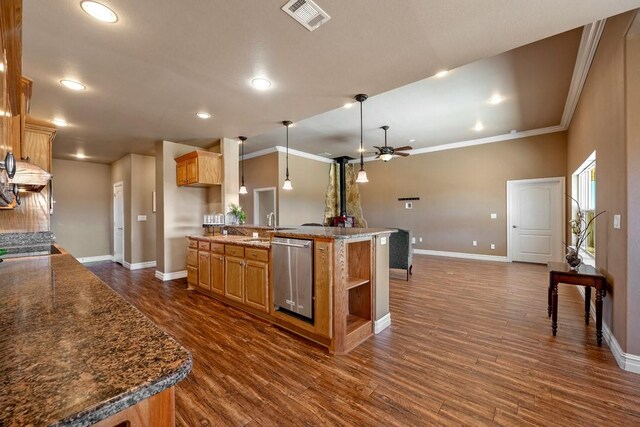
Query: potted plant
x=580 y=229
x=237 y=212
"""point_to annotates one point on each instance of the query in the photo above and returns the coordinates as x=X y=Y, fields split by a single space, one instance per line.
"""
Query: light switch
x=493 y=246
x=383 y=240
x=475 y=243
x=420 y=239
x=616 y=221
x=413 y=240
x=494 y=216
x=408 y=205
x=142 y=217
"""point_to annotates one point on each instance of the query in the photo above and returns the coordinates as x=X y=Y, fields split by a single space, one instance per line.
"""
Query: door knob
x=515 y=226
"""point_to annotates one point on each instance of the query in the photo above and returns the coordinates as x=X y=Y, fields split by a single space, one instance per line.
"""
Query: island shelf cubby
x=358 y=289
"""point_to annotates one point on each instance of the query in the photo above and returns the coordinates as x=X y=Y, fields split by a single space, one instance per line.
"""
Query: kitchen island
x=73 y=352
x=350 y=280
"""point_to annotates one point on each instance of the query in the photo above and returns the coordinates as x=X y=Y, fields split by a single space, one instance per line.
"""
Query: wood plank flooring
x=469 y=344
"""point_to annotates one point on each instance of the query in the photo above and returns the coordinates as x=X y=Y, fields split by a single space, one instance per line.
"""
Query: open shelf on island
x=355 y=322
x=354 y=282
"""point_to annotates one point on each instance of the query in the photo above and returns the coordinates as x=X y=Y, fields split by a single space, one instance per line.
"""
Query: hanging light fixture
x=287 y=182
x=362 y=175
x=385 y=155
x=243 y=188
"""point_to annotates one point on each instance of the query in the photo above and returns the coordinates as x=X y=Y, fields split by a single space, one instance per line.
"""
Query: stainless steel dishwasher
x=293 y=276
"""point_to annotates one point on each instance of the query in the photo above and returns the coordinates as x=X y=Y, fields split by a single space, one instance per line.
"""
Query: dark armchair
x=400 y=251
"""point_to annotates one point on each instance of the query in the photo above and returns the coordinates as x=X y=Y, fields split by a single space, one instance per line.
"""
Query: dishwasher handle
x=291 y=245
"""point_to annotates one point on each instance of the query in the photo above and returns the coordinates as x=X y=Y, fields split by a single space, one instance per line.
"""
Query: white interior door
x=535 y=220
x=118 y=222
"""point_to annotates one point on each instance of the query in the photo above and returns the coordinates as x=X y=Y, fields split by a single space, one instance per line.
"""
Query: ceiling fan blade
x=377 y=148
x=401 y=154
x=405 y=148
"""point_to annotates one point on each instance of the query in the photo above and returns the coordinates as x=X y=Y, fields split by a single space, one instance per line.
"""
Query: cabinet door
x=192 y=257
x=234 y=278
x=181 y=173
x=204 y=274
x=192 y=276
x=192 y=171
x=217 y=273
x=256 y=286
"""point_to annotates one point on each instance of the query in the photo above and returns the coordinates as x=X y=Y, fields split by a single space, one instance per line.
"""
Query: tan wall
x=633 y=190
x=81 y=216
x=458 y=191
x=599 y=124
x=143 y=233
x=183 y=208
x=121 y=172
x=259 y=172
x=305 y=203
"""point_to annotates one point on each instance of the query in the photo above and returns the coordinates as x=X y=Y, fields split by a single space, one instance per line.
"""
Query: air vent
x=306 y=13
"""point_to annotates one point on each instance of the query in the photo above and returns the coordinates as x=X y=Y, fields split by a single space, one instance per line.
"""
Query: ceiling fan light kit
x=362 y=175
x=386 y=153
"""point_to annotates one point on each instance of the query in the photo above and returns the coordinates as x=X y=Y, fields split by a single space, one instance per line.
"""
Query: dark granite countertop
x=72 y=351
x=331 y=232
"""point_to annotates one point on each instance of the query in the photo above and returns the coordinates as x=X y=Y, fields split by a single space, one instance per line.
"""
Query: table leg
x=599 y=296
x=587 y=303
x=549 y=296
x=554 y=309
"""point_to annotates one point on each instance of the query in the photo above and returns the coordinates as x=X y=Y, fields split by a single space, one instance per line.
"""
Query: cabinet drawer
x=257 y=254
x=193 y=243
x=192 y=257
x=217 y=248
x=203 y=246
x=234 y=250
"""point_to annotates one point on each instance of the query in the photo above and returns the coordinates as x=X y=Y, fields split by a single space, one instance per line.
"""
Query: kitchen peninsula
x=350 y=279
x=73 y=352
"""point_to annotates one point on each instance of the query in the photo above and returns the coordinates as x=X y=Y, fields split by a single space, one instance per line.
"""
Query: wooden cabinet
x=217 y=273
x=256 y=285
x=199 y=169
x=192 y=276
x=204 y=270
x=234 y=278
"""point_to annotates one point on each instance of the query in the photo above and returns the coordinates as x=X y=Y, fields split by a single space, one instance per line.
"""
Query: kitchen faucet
x=271 y=220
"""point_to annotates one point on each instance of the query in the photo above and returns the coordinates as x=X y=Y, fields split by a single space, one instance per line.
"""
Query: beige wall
x=121 y=172
x=633 y=199
x=305 y=203
x=182 y=209
x=599 y=124
x=458 y=191
x=259 y=172
x=81 y=216
x=143 y=233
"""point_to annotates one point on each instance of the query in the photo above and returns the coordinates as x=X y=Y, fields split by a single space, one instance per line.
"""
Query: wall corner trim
x=171 y=276
x=478 y=257
x=626 y=361
x=383 y=323
x=139 y=265
x=87 y=259
x=292 y=152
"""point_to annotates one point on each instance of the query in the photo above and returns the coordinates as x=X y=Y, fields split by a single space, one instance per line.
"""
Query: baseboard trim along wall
x=479 y=257
x=626 y=361
x=86 y=259
x=171 y=276
x=382 y=324
x=139 y=265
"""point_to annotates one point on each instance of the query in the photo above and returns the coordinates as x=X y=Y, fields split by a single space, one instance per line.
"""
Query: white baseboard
x=382 y=324
x=139 y=265
x=626 y=361
x=464 y=255
x=171 y=276
x=87 y=259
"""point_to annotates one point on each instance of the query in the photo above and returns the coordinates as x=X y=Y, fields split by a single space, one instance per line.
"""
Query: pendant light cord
x=287 y=174
x=361 y=144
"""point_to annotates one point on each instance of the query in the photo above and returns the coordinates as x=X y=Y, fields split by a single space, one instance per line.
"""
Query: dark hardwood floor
x=470 y=343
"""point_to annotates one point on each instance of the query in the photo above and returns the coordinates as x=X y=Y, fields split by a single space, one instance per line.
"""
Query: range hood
x=30 y=177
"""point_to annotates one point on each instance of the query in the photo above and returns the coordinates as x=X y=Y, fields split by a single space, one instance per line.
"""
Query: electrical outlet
x=421 y=240
x=494 y=216
x=475 y=243
x=254 y=235
x=413 y=240
x=616 y=221
x=493 y=246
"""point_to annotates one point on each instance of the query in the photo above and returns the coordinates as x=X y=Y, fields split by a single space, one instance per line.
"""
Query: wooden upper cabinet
x=38 y=143
x=199 y=169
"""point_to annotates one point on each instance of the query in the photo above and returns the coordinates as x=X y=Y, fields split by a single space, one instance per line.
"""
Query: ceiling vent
x=307 y=13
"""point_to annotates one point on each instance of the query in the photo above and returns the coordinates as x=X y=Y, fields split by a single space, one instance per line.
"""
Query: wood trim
x=158 y=410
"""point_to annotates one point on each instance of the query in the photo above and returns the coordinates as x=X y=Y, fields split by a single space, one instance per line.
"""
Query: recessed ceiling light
x=495 y=99
x=60 y=122
x=348 y=104
x=79 y=156
x=73 y=85
x=261 y=83
x=99 y=11
x=479 y=126
x=441 y=74
x=203 y=114
x=412 y=140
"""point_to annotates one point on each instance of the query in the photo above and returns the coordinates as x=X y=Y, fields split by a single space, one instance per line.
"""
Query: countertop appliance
x=293 y=276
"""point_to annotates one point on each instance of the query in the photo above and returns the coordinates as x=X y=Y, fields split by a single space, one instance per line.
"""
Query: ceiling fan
x=386 y=153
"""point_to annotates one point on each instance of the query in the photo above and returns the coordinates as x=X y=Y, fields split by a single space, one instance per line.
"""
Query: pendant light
x=386 y=155
x=362 y=175
x=243 y=188
x=287 y=182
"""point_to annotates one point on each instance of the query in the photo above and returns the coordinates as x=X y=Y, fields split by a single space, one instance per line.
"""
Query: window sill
x=587 y=258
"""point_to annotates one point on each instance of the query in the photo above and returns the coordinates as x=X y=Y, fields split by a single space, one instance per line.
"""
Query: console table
x=587 y=276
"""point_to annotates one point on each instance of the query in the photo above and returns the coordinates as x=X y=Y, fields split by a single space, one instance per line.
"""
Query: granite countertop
x=331 y=232
x=72 y=351
x=235 y=240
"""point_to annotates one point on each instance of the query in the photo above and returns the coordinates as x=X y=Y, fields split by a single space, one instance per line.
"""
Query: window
x=585 y=194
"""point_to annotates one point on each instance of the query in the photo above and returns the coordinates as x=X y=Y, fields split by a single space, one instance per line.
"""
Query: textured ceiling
x=164 y=60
